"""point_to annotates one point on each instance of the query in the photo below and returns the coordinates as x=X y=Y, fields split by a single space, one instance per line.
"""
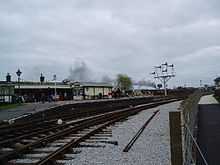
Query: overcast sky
x=110 y=37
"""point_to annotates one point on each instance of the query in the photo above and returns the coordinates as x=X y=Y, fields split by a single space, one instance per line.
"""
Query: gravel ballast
x=151 y=148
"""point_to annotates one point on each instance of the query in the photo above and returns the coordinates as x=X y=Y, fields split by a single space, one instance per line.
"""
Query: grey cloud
x=111 y=37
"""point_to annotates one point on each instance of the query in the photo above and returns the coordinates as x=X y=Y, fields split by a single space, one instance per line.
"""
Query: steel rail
x=137 y=135
x=10 y=140
x=41 y=131
x=52 y=157
x=49 y=159
x=6 y=125
x=7 y=128
x=90 y=121
x=34 y=132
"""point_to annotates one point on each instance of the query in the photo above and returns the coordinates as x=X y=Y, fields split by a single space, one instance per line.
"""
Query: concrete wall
x=87 y=108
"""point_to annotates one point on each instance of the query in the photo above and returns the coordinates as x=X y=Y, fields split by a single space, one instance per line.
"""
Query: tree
x=124 y=82
x=217 y=81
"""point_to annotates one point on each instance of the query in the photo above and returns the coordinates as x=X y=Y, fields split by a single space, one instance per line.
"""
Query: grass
x=191 y=102
x=217 y=98
x=9 y=106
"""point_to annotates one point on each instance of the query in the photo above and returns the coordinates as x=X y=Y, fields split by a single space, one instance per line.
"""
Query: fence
x=191 y=149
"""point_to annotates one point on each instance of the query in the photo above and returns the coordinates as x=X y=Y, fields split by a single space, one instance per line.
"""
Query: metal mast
x=164 y=73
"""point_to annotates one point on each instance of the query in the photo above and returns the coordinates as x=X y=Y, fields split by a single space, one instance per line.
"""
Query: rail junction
x=44 y=141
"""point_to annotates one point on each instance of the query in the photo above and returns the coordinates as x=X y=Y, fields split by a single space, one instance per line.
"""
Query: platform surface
x=209 y=130
x=208 y=99
x=26 y=108
x=31 y=108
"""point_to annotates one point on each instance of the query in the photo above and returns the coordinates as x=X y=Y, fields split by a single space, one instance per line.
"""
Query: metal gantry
x=164 y=73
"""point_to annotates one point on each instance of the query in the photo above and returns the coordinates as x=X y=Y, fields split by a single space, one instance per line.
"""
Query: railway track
x=15 y=130
x=34 y=147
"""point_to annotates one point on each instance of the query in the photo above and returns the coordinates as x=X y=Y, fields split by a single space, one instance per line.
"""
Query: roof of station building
x=97 y=84
x=44 y=85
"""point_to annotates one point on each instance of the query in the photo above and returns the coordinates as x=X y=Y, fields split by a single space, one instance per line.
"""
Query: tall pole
x=42 y=92
x=19 y=91
x=55 y=86
x=164 y=73
x=165 y=87
x=55 y=90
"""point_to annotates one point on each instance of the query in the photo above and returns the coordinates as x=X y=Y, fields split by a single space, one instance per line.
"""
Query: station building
x=92 y=90
x=36 y=91
x=6 y=92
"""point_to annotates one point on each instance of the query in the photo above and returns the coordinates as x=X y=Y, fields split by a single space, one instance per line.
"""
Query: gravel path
x=151 y=148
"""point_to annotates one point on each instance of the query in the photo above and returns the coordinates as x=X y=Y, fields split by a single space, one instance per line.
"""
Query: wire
x=196 y=144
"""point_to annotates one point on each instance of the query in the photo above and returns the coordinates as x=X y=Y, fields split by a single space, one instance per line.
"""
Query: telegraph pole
x=164 y=73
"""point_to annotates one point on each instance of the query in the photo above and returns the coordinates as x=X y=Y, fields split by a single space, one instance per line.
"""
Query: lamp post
x=55 y=86
x=19 y=79
x=42 y=92
x=200 y=85
x=8 y=81
x=41 y=78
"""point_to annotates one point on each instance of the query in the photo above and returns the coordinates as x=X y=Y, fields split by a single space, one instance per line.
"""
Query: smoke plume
x=145 y=83
x=80 y=72
x=107 y=79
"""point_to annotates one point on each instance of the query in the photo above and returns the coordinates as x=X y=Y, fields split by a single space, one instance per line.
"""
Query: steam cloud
x=80 y=72
x=147 y=83
x=107 y=79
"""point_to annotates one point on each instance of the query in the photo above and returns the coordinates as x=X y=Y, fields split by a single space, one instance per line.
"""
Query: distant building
x=92 y=90
x=6 y=92
x=36 y=91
